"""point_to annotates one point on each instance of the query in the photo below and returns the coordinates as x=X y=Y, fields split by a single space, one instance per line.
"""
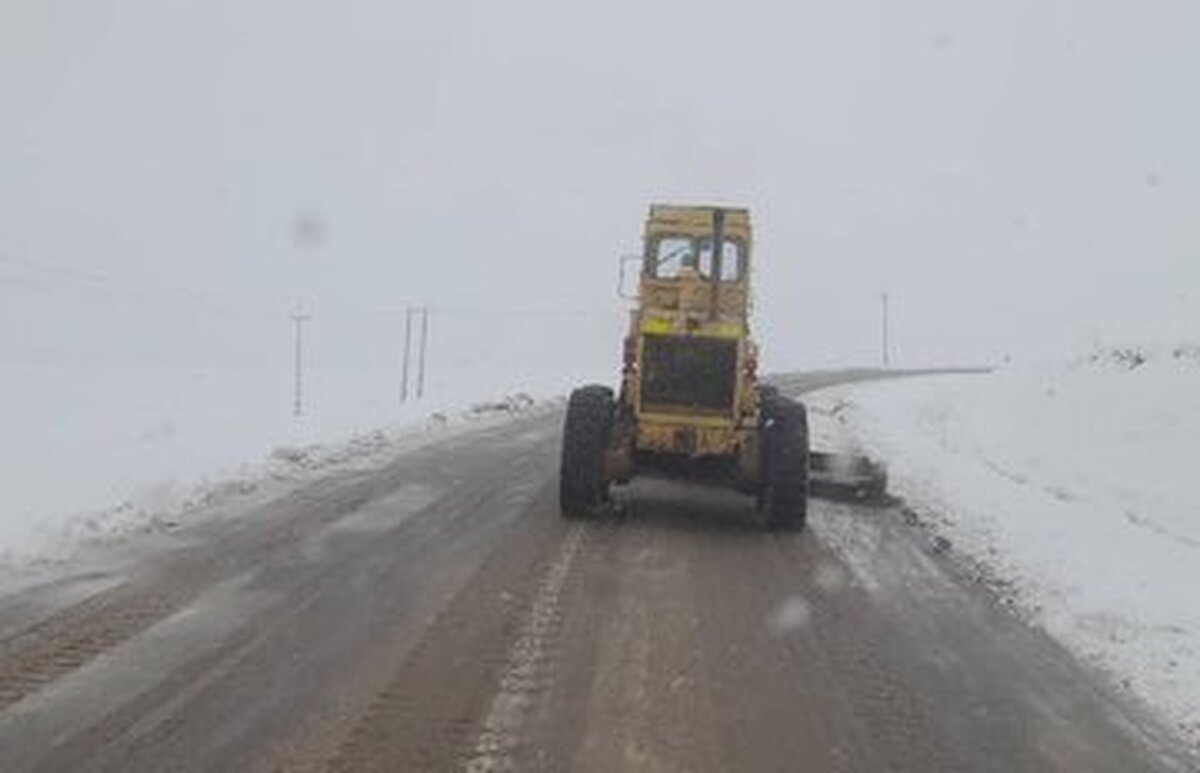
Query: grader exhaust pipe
x=718 y=254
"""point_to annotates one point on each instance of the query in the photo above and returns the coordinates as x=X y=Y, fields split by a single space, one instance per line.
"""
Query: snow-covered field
x=101 y=452
x=96 y=482
x=93 y=430
x=1072 y=488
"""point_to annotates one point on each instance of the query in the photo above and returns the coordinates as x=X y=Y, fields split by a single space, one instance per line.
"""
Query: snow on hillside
x=1073 y=489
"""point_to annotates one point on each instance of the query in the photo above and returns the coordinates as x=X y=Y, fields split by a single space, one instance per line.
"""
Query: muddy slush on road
x=436 y=613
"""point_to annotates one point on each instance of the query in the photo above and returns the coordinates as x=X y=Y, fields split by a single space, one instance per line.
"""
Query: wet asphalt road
x=438 y=614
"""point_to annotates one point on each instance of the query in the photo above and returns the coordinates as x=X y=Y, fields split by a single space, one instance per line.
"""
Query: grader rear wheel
x=583 y=483
x=784 y=428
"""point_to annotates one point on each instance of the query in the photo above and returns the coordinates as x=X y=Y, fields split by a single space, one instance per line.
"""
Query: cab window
x=731 y=260
x=671 y=254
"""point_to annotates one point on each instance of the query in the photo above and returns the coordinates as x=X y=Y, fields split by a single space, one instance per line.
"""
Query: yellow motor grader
x=690 y=403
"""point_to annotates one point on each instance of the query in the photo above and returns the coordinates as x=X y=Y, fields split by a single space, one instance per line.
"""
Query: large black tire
x=582 y=482
x=784 y=428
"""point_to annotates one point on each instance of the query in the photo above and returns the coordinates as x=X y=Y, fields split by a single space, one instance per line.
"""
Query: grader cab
x=690 y=403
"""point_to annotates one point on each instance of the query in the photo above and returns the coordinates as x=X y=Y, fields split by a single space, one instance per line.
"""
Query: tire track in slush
x=525 y=670
x=73 y=637
x=463 y=697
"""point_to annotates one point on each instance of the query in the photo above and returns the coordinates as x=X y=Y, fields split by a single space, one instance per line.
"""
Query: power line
x=51 y=277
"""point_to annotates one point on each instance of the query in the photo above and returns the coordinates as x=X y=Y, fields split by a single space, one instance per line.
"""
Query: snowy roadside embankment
x=70 y=483
x=1073 y=489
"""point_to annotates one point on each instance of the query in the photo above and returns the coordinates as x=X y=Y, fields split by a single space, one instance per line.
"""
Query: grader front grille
x=686 y=373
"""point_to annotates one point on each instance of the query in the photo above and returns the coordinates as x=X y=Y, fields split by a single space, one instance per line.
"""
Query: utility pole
x=421 y=361
x=299 y=318
x=883 y=299
x=408 y=319
x=308 y=231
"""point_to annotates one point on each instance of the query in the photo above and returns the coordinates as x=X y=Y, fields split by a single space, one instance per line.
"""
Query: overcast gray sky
x=1022 y=177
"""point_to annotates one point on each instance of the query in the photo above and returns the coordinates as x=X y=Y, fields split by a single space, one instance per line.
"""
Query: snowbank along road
x=438 y=614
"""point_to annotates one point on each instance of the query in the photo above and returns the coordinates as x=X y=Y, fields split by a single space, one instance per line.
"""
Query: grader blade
x=846 y=476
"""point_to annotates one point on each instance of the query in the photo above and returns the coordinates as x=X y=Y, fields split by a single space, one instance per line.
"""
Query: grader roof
x=696 y=221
